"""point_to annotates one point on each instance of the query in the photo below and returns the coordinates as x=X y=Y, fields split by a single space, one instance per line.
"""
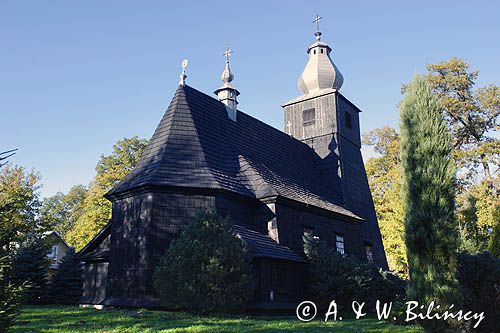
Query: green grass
x=65 y=319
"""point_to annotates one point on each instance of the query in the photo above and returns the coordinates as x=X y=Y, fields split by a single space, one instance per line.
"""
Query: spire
x=227 y=93
x=183 y=75
x=320 y=71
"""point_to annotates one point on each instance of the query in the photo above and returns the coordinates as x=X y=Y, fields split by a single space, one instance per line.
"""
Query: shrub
x=479 y=279
x=204 y=270
x=66 y=285
x=346 y=278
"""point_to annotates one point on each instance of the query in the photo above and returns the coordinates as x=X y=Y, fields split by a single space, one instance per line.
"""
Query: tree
x=10 y=295
x=471 y=114
x=429 y=198
x=29 y=267
x=66 y=285
x=346 y=278
x=61 y=211
x=385 y=177
x=110 y=169
x=205 y=269
x=19 y=204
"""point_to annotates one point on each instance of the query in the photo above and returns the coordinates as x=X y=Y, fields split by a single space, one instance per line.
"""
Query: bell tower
x=329 y=123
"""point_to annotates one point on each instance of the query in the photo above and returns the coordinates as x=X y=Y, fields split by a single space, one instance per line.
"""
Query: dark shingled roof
x=262 y=246
x=197 y=145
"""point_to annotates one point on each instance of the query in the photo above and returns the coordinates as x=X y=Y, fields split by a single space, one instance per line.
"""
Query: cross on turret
x=227 y=53
x=316 y=20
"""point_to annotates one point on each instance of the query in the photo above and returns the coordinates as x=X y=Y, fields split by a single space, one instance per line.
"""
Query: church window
x=309 y=117
x=321 y=50
x=339 y=243
x=348 y=120
x=314 y=51
x=369 y=252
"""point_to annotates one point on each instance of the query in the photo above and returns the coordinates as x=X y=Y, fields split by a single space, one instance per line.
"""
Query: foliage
x=71 y=319
x=429 y=198
x=479 y=278
x=10 y=296
x=385 y=177
x=61 y=211
x=205 y=269
x=66 y=285
x=471 y=114
x=333 y=276
x=29 y=266
x=494 y=243
x=110 y=169
x=19 y=204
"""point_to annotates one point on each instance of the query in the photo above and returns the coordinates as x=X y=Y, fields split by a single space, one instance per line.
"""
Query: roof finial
x=317 y=33
x=183 y=75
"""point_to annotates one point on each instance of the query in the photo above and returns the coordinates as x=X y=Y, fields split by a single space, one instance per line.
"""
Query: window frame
x=339 y=239
x=309 y=120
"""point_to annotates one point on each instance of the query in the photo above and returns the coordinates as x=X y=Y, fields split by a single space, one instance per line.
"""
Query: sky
x=76 y=76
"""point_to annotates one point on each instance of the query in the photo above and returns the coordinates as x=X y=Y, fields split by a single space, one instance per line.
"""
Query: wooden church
x=275 y=186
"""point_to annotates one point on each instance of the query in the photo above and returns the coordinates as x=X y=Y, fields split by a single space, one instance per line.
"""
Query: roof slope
x=262 y=246
x=197 y=145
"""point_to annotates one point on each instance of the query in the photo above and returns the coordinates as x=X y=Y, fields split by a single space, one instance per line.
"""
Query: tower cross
x=227 y=54
x=316 y=20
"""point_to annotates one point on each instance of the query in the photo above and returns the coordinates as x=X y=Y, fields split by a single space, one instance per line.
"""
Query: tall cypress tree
x=429 y=197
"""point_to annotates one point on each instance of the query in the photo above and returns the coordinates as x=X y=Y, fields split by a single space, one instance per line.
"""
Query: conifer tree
x=205 y=269
x=429 y=197
x=29 y=267
x=66 y=285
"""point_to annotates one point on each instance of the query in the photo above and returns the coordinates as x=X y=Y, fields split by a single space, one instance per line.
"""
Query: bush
x=66 y=285
x=479 y=279
x=29 y=267
x=204 y=270
x=347 y=279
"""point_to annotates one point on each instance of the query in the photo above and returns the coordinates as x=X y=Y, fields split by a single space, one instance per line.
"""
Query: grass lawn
x=61 y=319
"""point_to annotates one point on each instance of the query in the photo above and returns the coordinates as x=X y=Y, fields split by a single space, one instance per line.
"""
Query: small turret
x=228 y=94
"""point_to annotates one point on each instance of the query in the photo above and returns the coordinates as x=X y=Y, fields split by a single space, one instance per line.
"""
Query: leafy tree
x=19 y=204
x=29 y=267
x=346 y=278
x=61 y=211
x=471 y=114
x=385 y=177
x=110 y=170
x=66 y=285
x=205 y=269
x=429 y=197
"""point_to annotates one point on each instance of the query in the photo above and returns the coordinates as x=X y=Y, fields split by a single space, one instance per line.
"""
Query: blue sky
x=76 y=76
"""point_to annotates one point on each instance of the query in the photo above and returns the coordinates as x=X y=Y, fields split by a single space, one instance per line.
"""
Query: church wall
x=293 y=220
x=358 y=197
x=128 y=269
x=144 y=226
x=285 y=279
